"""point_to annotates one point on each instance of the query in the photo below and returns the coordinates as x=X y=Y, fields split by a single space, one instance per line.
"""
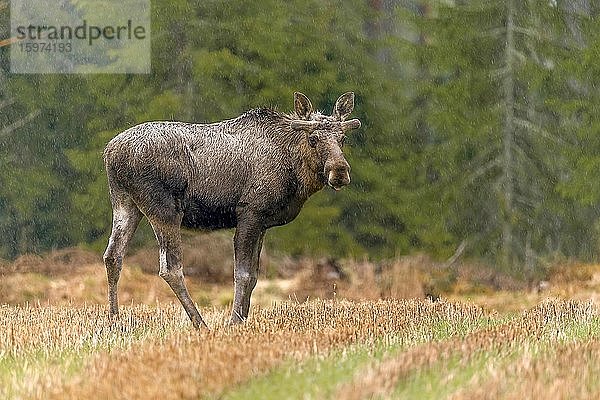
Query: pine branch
x=493 y=33
x=21 y=122
x=518 y=54
x=532 y=33
x=495 y=163
x=498 y=73
x=6 y=103
x=532 y=128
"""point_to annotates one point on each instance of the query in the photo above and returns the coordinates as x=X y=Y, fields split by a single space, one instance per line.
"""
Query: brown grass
x=208 y=257
x=68 y=352
x=54 y=262
x=151 y=347
x=88 y=285
x=568 y=371
x=77 y=276
x=39 y=344
x=66 y=348
x=542 y=323
x=208 y=364
x=360 y=280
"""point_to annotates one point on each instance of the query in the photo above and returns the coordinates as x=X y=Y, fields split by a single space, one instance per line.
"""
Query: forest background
x=480 y=124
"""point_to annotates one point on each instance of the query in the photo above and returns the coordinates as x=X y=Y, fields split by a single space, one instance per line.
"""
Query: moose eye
x=313 y=140
x=342 y=140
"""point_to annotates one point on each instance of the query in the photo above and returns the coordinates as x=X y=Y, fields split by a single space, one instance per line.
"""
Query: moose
x=250 y=173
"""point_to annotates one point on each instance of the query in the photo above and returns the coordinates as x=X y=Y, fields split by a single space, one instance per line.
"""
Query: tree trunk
x=507 y=187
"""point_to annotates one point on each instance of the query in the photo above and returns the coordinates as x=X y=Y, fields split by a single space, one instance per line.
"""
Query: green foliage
x=430 y=166
x=489 y=132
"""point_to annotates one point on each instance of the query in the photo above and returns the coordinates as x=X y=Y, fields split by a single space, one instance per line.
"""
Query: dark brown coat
x=249 y=173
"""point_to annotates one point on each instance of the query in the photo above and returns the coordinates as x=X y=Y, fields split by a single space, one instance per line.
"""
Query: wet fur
x=207 y=171
x=249 y=173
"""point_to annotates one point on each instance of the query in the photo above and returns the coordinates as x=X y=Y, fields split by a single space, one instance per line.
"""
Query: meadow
x=56 y=341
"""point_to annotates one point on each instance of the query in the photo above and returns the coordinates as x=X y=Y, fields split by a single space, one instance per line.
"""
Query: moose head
x=325 y=135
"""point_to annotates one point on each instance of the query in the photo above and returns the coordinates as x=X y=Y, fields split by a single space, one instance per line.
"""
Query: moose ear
x=344 y=106
x=302 y=106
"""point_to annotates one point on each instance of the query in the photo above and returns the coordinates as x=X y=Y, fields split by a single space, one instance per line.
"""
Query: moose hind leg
x=126 y=217
x=171 y=268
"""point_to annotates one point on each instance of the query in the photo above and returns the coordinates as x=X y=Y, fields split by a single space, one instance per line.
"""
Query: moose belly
x=199 y=215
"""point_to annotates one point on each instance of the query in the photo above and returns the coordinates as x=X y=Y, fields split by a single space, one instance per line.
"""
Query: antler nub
x=304 y=125
x=351 y=124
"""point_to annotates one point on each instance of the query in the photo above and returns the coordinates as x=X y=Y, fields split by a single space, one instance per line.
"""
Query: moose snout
x=339 y=175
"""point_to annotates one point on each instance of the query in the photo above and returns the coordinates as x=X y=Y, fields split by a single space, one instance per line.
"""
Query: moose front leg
x=247 y=246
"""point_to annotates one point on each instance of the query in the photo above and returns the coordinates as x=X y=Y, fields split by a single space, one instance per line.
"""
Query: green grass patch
x=448 y=376
x=319 y=377
x=316 y=377
x=15 y=372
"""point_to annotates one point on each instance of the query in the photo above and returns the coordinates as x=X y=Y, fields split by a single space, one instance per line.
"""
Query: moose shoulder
x=249 y=173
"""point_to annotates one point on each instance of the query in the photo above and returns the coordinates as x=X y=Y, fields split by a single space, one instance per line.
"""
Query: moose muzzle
x=338 y=174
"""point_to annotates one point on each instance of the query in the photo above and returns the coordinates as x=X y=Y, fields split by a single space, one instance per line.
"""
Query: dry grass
x=77 y=276
x=568 y=371
x=39 y=344
x=88 y=285
x=54 y=262
x=63 y=346
x=70 y=352
x=557 y=373
x=153 y=347
x=208 y=257
x=360 y=280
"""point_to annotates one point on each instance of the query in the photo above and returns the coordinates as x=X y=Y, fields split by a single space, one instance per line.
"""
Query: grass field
x=319 y=349
x=65 y=347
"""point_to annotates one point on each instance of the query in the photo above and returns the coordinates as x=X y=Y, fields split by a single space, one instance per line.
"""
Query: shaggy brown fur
x=249 y=173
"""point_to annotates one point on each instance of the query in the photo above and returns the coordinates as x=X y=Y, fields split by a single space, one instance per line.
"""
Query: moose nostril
x=342 y=169
x=339 y=174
